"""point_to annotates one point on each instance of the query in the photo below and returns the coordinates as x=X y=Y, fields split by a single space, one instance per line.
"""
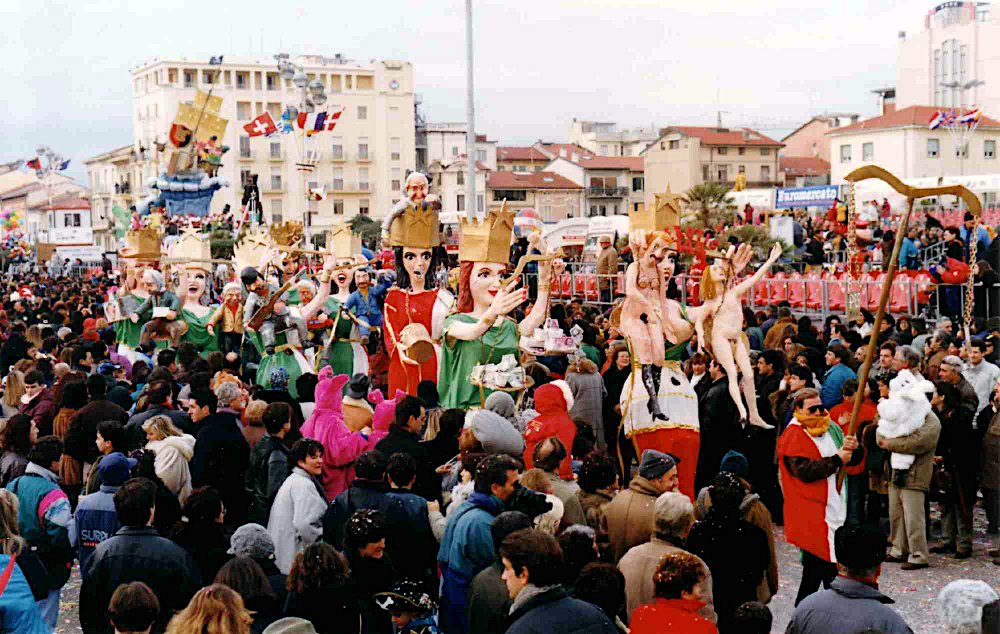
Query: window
x=933 y=148
x=393 y=112
x=481 y=156
x=243 y=111
x=275 y=149
x=209 y=76
x=272 y=81
x=638 y=183
x=604 y=150
x=363 y=148
x=338 y=207
x=515 y=195
x=741 y=151
x=460 y=202
x=394 y=148
x=675 y=144
x=705 y=172
x=962 y=150
x=538 y=168
x=188 y=79
x=362 y=112
x=363 y=179
x=723 y=151
x=461 y=177
x=741 y=169
x=242 y=80
x=244 y=177
x=276 y=217
x=276 y=179
x=338 y=179
x=454 y=150
x=845 y=153
x=72 y=220
x=397 y=183
x=480 y=201
x=244 y=146
x=765 y=173
x=363 y=206
x=989 y=149
x=722 y=173
x=274 y=109
x=337 y=149
x=765 y=151
x=867 y=151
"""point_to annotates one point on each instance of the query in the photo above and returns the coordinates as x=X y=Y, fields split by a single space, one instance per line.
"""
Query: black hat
x=406 y=596
x=859 y=548
x=357 y=387
x=249 y=275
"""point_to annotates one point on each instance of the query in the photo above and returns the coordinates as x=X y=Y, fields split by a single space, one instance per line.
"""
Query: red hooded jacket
x=552 y=402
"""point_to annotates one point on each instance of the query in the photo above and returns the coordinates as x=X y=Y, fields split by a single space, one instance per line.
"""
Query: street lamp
x=958 y=132
x=51 y=162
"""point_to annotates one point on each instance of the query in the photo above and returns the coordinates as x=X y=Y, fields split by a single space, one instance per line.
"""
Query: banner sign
x=818 y=196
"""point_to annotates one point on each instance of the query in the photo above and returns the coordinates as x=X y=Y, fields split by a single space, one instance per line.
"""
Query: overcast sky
x=767 y=63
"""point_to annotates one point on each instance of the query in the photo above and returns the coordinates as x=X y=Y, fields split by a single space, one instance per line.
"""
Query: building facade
x=360 y=165
x=804 y=171
x=520 y=159
x=39 y=200
x=445 y=143
x=448 y=182
x=605 y=139
x=115 y=179
x=554 y=197
x=685 y=156
x=943 y=64
x=810 y=138
x=902 y=143
x=613 y=185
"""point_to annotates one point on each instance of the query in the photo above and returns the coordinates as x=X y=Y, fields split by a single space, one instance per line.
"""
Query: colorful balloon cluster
x=15 y=244
x=10 y=220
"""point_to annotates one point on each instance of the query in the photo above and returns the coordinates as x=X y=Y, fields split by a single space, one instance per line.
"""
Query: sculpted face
x=362 y=279
x=342 y=277
x=416 y=187
x=417 y=263
x=306 y=293
x=148 y=281
x=484 y=283
x=196 y=281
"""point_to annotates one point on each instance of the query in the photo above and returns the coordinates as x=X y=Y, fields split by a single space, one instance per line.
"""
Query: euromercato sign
x=818 y=196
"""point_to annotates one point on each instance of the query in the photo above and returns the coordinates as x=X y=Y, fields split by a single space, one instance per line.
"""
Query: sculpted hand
x=505 y=301
x=775 y=253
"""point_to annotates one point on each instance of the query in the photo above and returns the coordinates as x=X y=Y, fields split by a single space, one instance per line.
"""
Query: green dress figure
x=344 y=352
x=197 y=332
x=458 y=358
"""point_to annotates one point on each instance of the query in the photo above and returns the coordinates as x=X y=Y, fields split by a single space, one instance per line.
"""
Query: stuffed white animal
x=904 y=411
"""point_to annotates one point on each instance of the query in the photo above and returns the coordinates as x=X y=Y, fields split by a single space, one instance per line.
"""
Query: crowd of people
x=194 y=499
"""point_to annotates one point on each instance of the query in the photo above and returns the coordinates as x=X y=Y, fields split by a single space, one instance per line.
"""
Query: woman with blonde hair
x=217 y=609
x=173 y=450
x=18 y=610
x=13 y=390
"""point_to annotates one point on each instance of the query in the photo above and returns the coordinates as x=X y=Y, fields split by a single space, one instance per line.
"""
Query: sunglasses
x=817 y=409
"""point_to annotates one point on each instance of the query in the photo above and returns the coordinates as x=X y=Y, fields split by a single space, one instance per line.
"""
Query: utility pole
x=470 y=120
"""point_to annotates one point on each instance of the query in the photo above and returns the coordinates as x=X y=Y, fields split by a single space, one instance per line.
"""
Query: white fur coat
x=172 y=456
x=904 y=411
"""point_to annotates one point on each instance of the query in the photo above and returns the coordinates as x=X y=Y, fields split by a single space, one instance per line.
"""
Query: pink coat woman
x=341 y=447
x=385 y=412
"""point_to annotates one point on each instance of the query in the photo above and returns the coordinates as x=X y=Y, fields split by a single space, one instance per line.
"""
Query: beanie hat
x=735 y=463
x=253 y=541
x=115 y=469
x=495 y=433
x=655 y=463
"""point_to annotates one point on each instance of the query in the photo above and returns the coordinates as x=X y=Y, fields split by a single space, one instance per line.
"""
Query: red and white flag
x=331 y=120
x=263 y=125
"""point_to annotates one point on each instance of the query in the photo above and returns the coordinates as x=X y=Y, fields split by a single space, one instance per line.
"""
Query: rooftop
x=66 y=201
x=724 y=136
x=530 y=180
x=518 y=153
x=803 y=166
x=630 y=163
x=905 y=118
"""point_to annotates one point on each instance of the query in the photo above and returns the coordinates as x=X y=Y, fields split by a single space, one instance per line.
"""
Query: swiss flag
x=263 y=125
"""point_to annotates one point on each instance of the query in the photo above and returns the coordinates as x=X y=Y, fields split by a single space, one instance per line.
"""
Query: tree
x=711 y=206
x=369 y=230
x=222 y=242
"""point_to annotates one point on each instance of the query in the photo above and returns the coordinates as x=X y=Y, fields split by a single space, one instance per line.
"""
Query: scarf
x=814 y=424
x=527 y=593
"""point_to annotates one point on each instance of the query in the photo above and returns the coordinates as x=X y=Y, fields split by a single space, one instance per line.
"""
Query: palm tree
x=711 y=205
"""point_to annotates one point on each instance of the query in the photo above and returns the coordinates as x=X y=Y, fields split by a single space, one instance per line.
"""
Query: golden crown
x=194 y=250
x=142 y=244
x=489 y=240
x=251 y=249
x=416 y=227
x=665 y=212
x=342 y=241
x=287 y=233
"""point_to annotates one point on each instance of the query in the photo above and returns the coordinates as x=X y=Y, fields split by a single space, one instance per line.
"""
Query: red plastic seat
x=590 y=287
x=620 y=284
x=836 y=294
x=871 y=290
x=761 y=292
x=899 y=295
x=779 y=290
x=814 y=291
x=565 y=283
x=796 y=291
x=923 y=284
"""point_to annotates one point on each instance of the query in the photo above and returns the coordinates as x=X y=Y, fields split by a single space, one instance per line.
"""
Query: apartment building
x=685 y=156
x=116 y=179
x=448 y=182
x=605 y=139
x=613 y=185
x=445 y=143
x=46 y=204
x=810 y=139
x=361 y=164
x=512 y=158
x=554 y=197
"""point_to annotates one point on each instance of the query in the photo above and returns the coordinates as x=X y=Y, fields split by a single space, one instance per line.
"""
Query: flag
x=215 y=60
x=286 y=122
x=311 y=121
x=936 y=121
x=64 y=165
x=301 y=121
x=316 y=194
x=35 y=164
x=262 y=125
x=971 y=116
x=318 y=125
x=331 y=120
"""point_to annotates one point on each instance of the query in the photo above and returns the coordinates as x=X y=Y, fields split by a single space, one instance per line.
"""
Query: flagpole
x=470 y=120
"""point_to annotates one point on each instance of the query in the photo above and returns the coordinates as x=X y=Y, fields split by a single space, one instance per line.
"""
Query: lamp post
x=964 y=137
x=470 y=121
x=51 y=163
x=311 y=94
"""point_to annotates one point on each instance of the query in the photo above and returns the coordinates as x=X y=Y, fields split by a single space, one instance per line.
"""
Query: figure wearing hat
x=480 y=332
x=196 y=311
x=415 y=309
x=411 y=608
x=142 y=250
x=230 y=313
x=344 y=351
x=160 y=311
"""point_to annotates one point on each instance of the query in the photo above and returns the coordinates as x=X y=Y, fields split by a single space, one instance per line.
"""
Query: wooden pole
x=866 y=366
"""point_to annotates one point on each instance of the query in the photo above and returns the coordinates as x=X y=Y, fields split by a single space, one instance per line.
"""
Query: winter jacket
x=12 y=465
x=720 y=430
x=414 y=551
x=172 y=456
x=40 y=410
x=221 y=456
x=466 y=550
x=982 y=378
x=489 y=602
x=569 y=493
x=671 y=615
x=265 y=475
x=80 y=440
x=553 y=401
x=96 y=521
x=628 y=519
x=848 y=606
x=588 y=395
x=332 y=609
x=991 y=454
x=640 y=564
x=18 y=611
x=737 y=554
x=136 y=437
x=207 y=544
x=340 y=447
x=555 y=611
x=45 y=521
x=364 y=494
x=296 y=519
x=593 y=505
x=371 y=576
x=833 y=382
x=136 y=553
x=428 y=482
x=922 y=444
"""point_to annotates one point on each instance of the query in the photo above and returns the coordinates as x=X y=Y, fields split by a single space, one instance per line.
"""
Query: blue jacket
x=906 y=251
x=848 y=606
x=45 y=520
x=555 y=611
x=367 y=309
x=466 y=549
x=18 y=610
x=96 y=521
x=833 y=382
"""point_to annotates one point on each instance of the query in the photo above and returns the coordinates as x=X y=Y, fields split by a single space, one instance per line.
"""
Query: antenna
x=719 y=114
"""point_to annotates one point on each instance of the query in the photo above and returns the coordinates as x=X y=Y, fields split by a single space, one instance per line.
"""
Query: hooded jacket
x=341 y=447
x=848 y=606
x=552 y=402
x=296 y=517
x=172 y=456
x=382 y=417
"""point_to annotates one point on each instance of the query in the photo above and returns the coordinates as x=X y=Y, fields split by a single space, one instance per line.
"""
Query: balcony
x=336 y=157
x=246 y=155
x=607 y=192
x=339 y=189
x=276 y=156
